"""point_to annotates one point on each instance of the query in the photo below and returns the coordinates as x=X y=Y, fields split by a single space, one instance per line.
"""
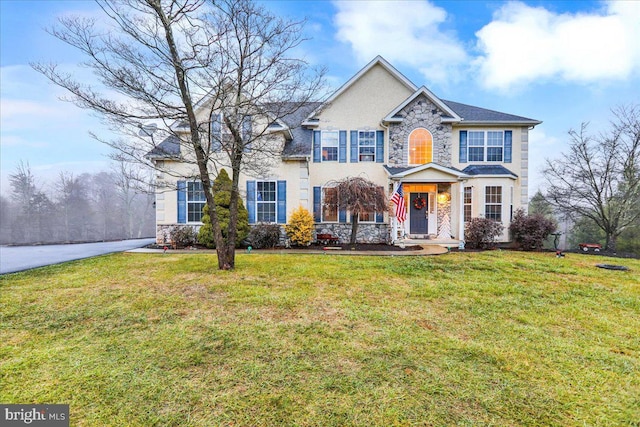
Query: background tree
x=599 y=178
x=35 y=211
x=540 y=205
x=88 y=207
x=161 y=57
x=74 y=211
x=359 y=196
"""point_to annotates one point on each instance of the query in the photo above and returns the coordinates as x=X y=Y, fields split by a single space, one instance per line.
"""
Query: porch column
x=461 y=209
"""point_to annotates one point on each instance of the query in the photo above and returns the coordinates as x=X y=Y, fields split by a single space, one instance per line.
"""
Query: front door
x=418 y=208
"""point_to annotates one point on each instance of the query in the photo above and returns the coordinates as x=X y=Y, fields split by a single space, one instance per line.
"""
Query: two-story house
x=454 y=162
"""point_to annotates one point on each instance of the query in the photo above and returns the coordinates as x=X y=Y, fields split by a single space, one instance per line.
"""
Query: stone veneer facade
x=420 y=113
x=367 y=232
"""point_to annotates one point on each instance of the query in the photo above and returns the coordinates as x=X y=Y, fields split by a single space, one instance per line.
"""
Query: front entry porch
x=428 y=218
x=434 y=204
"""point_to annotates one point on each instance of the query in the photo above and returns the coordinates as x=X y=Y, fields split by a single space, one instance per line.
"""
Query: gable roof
x=403 y=172
x=378 y=60
x=477 y=115
x=451 y=115
x=167 y=149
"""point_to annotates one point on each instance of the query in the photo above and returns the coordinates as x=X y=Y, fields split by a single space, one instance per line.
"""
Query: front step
x=447 y=243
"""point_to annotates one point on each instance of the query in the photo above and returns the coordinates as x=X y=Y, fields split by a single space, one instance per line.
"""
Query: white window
x=367 y=146
x=330 y=145
x=195 y=201
x=220 y=133
x=487 y=145
x=468 y=200
x=493 y=203
x=266 y=201
x=329 y=204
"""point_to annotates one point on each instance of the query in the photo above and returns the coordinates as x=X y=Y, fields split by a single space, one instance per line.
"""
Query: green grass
x=494 y=338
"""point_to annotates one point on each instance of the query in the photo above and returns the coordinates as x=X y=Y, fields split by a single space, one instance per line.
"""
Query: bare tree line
x=106 y=205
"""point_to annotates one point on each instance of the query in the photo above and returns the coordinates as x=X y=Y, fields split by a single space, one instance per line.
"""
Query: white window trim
x=275 y=202
x=192 y=202
x=367 y=146
x=485 y=146
x=322 y=145
x=432 y=146
x=465 y=204
x=501 y=204
x=337 y=220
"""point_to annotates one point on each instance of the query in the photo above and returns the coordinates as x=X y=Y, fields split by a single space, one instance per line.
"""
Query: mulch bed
x=361 y=247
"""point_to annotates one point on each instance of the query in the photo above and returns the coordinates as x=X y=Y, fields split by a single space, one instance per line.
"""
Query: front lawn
x=493 y=338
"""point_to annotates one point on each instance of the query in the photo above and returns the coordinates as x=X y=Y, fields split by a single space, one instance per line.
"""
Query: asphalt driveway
x=19 y=258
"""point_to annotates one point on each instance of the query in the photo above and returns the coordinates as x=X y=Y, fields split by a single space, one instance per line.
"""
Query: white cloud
x=523 y=44
x=402 y=32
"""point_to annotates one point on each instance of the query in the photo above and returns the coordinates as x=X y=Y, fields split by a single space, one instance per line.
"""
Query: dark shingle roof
x=395 y=170
x=487 y=170
x=469 y=113
x=169 y=148
x=300 y=145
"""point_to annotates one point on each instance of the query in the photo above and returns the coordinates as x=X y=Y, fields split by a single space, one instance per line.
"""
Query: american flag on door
x=398 y=199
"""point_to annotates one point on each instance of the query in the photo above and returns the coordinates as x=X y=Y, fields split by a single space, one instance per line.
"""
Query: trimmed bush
x=205 y=235
x=481 y=233
x=182 y=236
x=264 y=236
x=222 y=197
x=530 y=231
x=300 y=227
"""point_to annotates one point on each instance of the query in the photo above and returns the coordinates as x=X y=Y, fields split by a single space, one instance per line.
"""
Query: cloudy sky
x=560 y=62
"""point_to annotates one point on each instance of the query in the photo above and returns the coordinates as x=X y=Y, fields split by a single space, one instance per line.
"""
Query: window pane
x=194 y=191
x=493 y=203
x=494 y=154
x=420 y=147
x=266 y=212
x=367 y=216
x=330 y=145
x=467 y=213
x=329 y=153
x=194 y=211
x=467 y=203
x=476 y=154
x=367 y=138
x=329 y=204
x=493 y=194
x=467 y=194
x=266 y=191
x=493 y=212
x=475 y=139
x=494 y=139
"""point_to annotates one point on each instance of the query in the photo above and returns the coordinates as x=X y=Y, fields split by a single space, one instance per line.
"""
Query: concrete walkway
x=427 y=250
x=19 y=258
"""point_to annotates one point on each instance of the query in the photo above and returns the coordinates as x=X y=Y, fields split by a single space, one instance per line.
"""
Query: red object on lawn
x=586 y=246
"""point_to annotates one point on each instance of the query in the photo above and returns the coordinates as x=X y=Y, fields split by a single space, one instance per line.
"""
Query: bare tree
x=34 y=222
x=73 y=207
x=599 y=178
x=359 y=196
x=172 y=59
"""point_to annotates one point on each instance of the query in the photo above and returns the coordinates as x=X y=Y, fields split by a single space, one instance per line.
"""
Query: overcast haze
x=559 y=62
